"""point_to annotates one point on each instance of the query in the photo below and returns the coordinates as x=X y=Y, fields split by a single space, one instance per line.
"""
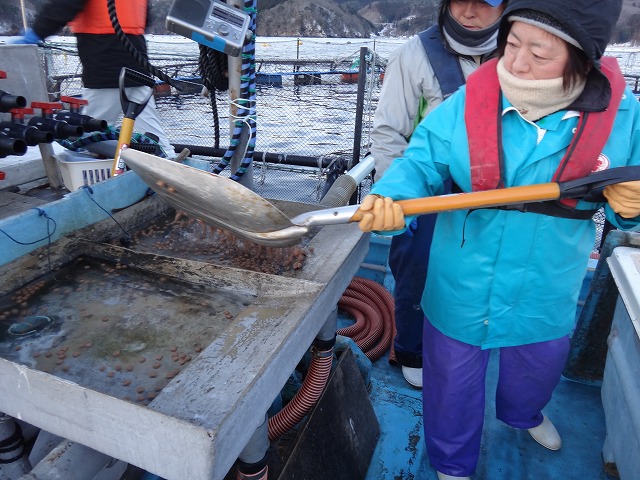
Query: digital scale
x=211 y=23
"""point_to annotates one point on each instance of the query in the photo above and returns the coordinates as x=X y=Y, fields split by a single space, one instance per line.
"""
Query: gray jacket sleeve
x=408 y=77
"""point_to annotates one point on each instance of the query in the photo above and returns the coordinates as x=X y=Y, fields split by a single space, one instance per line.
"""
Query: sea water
x=315 y=121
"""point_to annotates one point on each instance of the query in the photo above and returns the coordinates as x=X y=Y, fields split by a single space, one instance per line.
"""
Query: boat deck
x=576 y=409
x=507 y=453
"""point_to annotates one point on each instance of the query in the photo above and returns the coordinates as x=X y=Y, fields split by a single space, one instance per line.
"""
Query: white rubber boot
x=444 y=476
x=413 y=376
x=546 y=434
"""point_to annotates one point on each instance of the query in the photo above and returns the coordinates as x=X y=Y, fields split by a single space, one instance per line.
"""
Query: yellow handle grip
x=126 y=132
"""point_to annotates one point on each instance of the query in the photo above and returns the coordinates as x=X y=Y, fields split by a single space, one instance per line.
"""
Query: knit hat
x=589 y=23
x=545 y=22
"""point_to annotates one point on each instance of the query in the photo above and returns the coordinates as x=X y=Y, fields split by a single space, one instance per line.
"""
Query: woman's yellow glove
x=624 y=198
x=380 y=213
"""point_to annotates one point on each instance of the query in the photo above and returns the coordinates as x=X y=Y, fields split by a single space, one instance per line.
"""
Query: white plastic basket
x=78 y=170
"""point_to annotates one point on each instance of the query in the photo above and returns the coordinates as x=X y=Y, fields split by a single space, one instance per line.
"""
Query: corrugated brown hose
x=372 y=307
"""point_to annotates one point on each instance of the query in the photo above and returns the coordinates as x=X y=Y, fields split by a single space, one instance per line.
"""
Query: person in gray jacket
x=419 y=76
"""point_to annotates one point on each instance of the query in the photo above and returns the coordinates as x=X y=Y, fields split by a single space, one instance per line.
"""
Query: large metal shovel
x=224 y=203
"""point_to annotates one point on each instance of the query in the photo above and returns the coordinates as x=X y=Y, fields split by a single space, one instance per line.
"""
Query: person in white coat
x=418 y=77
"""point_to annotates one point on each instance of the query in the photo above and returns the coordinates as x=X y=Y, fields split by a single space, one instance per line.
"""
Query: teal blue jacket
x=503 y=278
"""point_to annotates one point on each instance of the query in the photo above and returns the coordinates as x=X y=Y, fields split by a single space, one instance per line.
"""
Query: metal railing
x=319 y=110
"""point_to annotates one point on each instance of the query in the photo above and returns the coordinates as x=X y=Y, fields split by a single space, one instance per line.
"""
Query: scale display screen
x=211 y=23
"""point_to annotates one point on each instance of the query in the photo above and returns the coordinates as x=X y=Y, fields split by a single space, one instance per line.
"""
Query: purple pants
x=453 y=393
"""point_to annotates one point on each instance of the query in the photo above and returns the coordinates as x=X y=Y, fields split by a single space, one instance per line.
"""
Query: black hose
x=246 y=113
x=214 y=70
x=111 y=6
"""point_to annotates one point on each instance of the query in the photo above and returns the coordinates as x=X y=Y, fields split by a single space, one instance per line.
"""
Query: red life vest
x=485 y=137
x=94 y=18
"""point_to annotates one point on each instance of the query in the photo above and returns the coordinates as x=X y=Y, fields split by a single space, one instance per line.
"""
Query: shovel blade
x=216 y=200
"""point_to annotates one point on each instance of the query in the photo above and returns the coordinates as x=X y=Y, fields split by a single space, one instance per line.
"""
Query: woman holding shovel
x=550 y=108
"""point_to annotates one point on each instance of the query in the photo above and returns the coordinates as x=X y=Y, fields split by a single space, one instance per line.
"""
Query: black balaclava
x=463 y=41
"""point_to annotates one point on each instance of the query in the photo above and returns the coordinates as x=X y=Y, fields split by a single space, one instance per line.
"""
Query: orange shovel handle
x=483 y=199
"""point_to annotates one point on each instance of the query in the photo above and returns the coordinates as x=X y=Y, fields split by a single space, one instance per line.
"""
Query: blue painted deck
x=506 y=453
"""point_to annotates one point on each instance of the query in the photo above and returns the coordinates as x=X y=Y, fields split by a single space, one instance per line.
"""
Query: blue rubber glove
x=29 y=38
x=413 y=226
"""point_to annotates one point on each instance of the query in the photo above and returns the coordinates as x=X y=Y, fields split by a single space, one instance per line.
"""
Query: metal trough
x=193 y=417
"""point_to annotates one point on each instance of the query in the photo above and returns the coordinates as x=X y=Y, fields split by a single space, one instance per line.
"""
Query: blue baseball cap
x=494 y=3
